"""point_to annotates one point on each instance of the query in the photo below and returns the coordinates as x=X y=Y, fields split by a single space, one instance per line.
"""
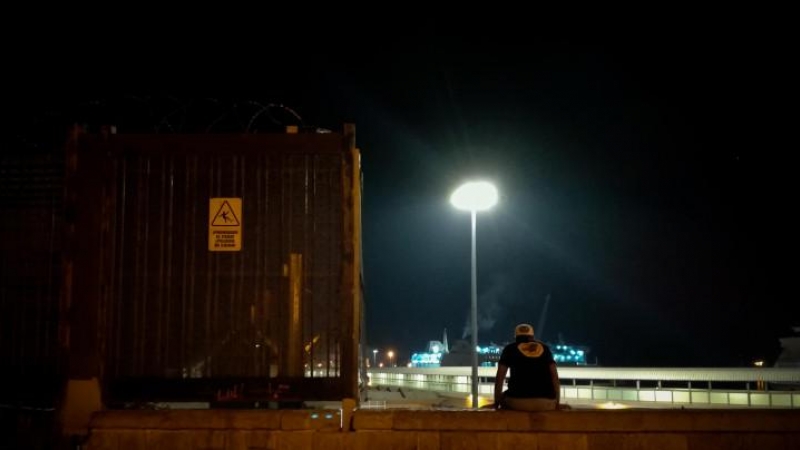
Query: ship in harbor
x=441 y=354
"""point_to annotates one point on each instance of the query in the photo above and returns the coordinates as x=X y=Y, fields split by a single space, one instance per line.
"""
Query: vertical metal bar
x=474 y=316
x=242 y=257
x=347 y=339
x=50 y=293
x=216 y=264
x=107 y=268
x=184 y=312
x=638 y=387
x=273 y=280
x=259 y=272
x=237 y=318
x=273 y=261
x=188 y=271
x=145 y=299
x=332 y=302
x=232 y=329
x=207 y=338
x=193 y=267
x=136 y=286
x=65 y=299
x=295 y=333
x=285 y=229
x=161 y=308
x=308 y=274
x=170 y=169
x=258 y=279
x=120 y=277
x=238 y=313
x=358 y=301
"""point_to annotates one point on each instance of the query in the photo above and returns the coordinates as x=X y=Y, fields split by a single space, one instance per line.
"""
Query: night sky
x=644 y=172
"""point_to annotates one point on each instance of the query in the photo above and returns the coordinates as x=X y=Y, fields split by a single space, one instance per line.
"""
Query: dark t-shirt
x=529 y=364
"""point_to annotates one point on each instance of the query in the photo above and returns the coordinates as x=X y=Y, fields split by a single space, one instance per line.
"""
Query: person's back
x=533 y=383
x=529 y=364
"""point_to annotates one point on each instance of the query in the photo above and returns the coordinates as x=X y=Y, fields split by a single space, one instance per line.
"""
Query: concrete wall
x=445 y=430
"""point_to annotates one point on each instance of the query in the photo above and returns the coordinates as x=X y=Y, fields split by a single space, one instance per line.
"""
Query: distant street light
x=474 y=197
x=390 y=354
x=375 y=357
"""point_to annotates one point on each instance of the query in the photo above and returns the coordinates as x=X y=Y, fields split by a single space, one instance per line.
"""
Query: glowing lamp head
x=474 y=196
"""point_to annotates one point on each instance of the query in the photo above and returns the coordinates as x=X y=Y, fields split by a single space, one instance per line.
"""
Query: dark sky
x=644 y=171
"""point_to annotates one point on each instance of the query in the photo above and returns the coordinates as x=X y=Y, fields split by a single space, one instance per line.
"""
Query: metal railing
x=754 y=388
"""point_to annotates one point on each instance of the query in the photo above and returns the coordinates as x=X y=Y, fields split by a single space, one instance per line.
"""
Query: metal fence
x=177 y=320
x=759 y=388
x=31 y=206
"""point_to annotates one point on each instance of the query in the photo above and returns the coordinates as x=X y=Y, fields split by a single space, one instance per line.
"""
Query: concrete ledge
x=323 y=420
x=583 y=420
x=185 y=419
x=373 y=420
x=445 y=430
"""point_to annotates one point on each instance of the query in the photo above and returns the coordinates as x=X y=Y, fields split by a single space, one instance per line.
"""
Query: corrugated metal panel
x=169 y=309
x=31 y=198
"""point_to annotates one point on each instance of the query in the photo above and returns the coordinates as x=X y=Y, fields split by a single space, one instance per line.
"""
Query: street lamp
x=390 y=354
x=375 y=357
x=473 y=197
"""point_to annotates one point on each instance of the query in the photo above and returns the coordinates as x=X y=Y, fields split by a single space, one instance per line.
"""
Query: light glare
x=612 y=405
x=474 y=196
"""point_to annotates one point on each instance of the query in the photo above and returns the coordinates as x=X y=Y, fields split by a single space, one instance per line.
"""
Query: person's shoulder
x=547 y=349
x=507 y=349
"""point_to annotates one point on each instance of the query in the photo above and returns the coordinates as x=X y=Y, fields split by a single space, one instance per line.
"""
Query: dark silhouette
x=533 y=384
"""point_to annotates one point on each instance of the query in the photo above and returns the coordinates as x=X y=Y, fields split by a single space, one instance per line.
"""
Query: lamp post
x=375 y=357
x=390 y=354
x=473 y=197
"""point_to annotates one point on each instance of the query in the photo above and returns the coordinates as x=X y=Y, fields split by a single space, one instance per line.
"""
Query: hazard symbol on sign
x=225 y=224
x=225 y=216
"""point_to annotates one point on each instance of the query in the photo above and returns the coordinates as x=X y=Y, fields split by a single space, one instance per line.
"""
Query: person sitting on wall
x=533 y=384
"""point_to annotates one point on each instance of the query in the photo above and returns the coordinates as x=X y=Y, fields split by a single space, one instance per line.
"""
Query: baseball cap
x=523 y=329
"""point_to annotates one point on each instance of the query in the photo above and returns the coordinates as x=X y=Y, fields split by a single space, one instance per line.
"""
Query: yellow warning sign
x=225 y=224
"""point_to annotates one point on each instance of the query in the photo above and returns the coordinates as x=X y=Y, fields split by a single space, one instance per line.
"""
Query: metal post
x=293 y=362
x=474 y=317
